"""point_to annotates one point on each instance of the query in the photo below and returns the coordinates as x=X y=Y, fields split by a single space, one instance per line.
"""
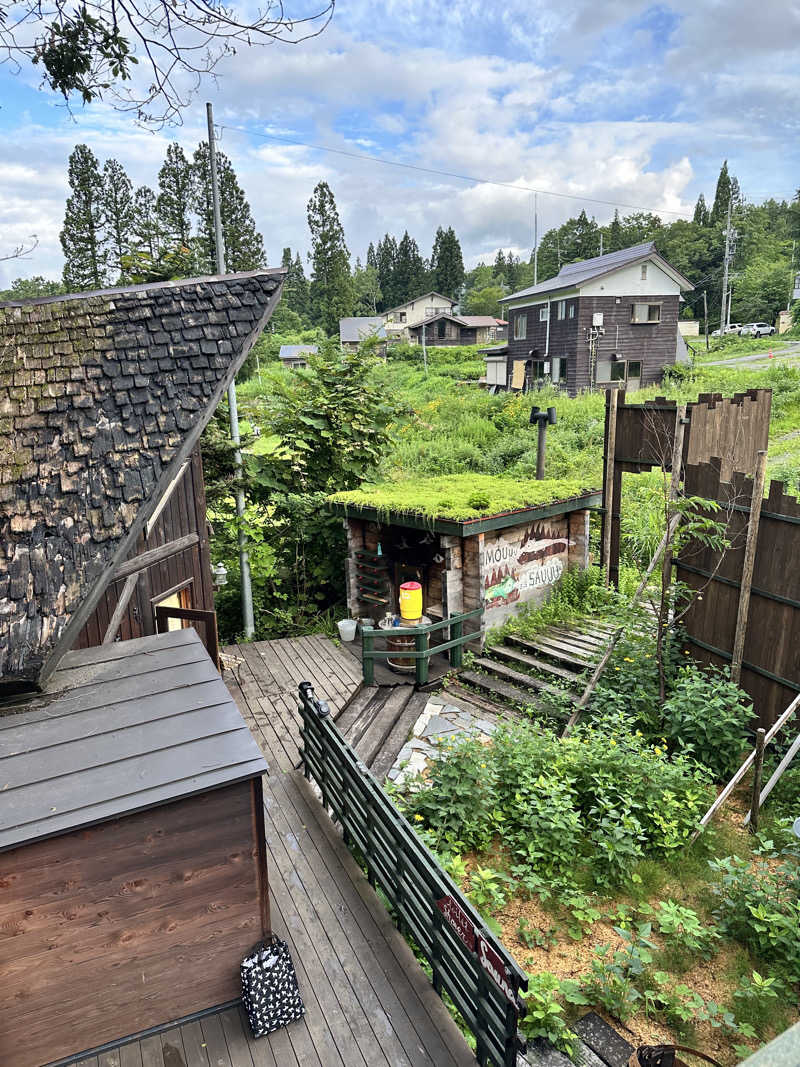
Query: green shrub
x=544 y=1013
x=707 y=716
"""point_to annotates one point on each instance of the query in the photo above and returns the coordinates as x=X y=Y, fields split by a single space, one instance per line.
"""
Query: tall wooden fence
x=771 y=663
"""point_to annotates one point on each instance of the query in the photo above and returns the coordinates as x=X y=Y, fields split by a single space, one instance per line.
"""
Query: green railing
x=467 y=960
x=422 y=651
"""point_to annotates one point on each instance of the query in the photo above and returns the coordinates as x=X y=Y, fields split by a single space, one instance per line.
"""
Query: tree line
x=114 y=234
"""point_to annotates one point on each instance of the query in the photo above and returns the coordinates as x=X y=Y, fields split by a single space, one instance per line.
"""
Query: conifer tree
x=409 y=271
x=447 y=263
x=175 y=199
x=82 y=238
x=145 y=229
x=615 y=237
x=295 y=288
x=243 y=244
x=499 y=268
x=719 y=211
x=331 y=289
x=118 y=216
x=372 y=256
x=386 y=261
x=701 y=212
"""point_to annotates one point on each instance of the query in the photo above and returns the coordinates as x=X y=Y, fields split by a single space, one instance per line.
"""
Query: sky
x=621 y=102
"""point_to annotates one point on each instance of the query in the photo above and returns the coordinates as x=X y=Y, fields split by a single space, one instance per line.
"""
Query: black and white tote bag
x=270 y=994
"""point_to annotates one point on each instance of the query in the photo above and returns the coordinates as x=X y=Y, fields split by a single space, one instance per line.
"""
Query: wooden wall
x=772 y=642
x=130 y=924
x=184 y=513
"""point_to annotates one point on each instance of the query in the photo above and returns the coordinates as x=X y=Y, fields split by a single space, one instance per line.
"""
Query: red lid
x=410 y=585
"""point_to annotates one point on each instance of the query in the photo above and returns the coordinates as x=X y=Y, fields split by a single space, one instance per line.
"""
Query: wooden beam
x=120 y=609
x=748 y=566
x=758 y=767
x=784 y=763
x=608 y=486
x=154 y=555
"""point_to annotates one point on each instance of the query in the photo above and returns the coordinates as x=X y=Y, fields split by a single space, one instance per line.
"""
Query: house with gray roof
x=295 y=355
x=603 y=322
x=354 y=330
x=447 y=328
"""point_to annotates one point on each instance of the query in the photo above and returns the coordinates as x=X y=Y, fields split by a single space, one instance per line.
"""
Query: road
x=784 y=349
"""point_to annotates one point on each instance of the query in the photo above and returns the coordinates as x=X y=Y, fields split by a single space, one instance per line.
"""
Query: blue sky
x=622 y=101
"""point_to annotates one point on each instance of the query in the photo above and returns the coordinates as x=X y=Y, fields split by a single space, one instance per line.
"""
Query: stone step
x=520 y=678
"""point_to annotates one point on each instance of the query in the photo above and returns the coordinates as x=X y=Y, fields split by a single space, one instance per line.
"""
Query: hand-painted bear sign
x=521 y=564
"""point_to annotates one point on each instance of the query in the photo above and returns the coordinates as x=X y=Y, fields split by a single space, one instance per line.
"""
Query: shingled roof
x=103 y=395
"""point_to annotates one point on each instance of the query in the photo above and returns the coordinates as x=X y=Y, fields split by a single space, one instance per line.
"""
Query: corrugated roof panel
x=134 y=725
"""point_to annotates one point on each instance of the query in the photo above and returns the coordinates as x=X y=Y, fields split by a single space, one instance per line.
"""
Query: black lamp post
x=543 y=419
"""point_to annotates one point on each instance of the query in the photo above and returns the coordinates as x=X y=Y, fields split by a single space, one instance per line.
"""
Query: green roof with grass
x=460 y=503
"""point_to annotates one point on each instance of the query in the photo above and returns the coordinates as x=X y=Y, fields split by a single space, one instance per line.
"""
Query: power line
x=453 y=174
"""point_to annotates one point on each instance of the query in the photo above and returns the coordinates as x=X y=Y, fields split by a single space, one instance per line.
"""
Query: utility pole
x=535 y=238
x=244 y=559
x=424 y=351
x=601 y=242
x=723 y=317
x=791 y=280
x=705 y=316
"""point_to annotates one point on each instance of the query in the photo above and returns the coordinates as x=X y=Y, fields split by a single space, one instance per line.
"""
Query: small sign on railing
x=459 y=920
x=495 y=968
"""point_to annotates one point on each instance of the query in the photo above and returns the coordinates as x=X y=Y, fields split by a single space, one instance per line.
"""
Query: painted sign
x=521 y=564
x=459 y=920
x=495 y=968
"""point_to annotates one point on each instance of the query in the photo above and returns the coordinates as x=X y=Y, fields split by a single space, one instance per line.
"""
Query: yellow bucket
x=410 y=600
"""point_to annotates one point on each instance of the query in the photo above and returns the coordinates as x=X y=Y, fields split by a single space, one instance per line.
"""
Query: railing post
x=421 y=663
x=367 y=662
x=457 y=652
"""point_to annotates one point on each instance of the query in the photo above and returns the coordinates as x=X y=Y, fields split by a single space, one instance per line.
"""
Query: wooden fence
x=771 y=661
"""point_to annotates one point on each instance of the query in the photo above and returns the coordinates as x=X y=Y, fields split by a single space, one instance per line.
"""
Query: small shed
x=132 y=848
x=470 y=540
x=294 y=356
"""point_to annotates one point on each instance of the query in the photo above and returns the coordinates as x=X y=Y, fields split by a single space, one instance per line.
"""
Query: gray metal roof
x=297 y=351
x=353 y=330
x=574 y=274
x=121 y=728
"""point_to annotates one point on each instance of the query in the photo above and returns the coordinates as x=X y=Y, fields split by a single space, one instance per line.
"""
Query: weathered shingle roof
x=573 y=274
x=123 y=727
x=102 y=397
x=353 y=330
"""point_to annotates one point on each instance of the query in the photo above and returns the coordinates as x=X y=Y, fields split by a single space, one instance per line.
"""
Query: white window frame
x=650 y=318
x=561 y=309
x=571 y=312
x=644 y=272
x=520 y=326
x=544 y=313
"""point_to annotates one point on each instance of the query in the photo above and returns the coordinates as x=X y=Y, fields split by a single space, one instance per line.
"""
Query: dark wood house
x=132 y=849
x=450 y=329
x=103 y=398
x=603 y=322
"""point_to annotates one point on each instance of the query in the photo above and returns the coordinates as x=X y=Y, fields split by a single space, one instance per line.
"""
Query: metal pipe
x=219 y=250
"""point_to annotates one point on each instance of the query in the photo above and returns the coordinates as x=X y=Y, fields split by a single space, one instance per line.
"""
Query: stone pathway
x=440 y=719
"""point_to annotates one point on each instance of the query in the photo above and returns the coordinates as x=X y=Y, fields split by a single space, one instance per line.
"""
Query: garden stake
x=758 y=767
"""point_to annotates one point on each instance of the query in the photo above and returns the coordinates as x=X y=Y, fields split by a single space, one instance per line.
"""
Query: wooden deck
x=368 y=1003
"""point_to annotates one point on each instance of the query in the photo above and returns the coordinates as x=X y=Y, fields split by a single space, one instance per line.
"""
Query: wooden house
x=603 y=322
x=451 y=329
x=132 y=849
x=132 y=869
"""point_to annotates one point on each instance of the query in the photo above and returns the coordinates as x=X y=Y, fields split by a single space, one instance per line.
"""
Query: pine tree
x=447 y=263
x=409 y=270
x=118 y=216
x=82 y=238
x=372 y=256
x=499 y=268
x=386 y=257
x=585 y=237
x=145 y=229
x=701 y=212
x=175 y=199
x=295 y=288
x=719 y=212
x=615 y=238
x=243 y=244
x=331 y=288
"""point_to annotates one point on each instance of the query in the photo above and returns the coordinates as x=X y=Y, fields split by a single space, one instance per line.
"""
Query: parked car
x=732 y=327
x=756 y=329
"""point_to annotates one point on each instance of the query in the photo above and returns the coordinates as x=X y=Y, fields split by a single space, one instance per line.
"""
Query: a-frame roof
x=103 y=395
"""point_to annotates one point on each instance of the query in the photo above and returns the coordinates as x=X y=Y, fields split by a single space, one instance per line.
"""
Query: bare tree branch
x=21 y=250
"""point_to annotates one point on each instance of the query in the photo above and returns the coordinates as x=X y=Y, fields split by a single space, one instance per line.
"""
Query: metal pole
x=758 y=766
x=219 y=249
x=705 y=315
x=541 y=446
x=723 y=311
x=424 y=351
x=535 y=238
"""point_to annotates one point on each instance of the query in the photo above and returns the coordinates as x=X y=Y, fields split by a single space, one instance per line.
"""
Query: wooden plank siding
x=184 y=513
x=118 y=927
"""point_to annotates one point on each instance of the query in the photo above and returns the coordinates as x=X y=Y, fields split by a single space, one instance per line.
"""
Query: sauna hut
x=131 y=834
x=500 y=559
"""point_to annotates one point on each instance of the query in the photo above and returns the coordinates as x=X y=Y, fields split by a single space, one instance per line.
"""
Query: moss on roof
x=460 y=496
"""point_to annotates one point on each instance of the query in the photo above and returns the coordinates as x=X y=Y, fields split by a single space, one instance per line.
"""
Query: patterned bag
x=270 y=994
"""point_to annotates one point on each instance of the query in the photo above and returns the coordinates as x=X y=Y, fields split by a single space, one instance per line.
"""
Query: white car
x=756 y=329
x=732 y=327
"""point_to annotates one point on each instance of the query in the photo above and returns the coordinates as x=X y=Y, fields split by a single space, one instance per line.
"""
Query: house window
x=561 y=309
x=544 y=313
x=572 y=309
x=559 y=373
x=441 y=328
x=520 y=326
x=641 y=313
x=621 y=370
x=402 y=316
x=644 y=272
